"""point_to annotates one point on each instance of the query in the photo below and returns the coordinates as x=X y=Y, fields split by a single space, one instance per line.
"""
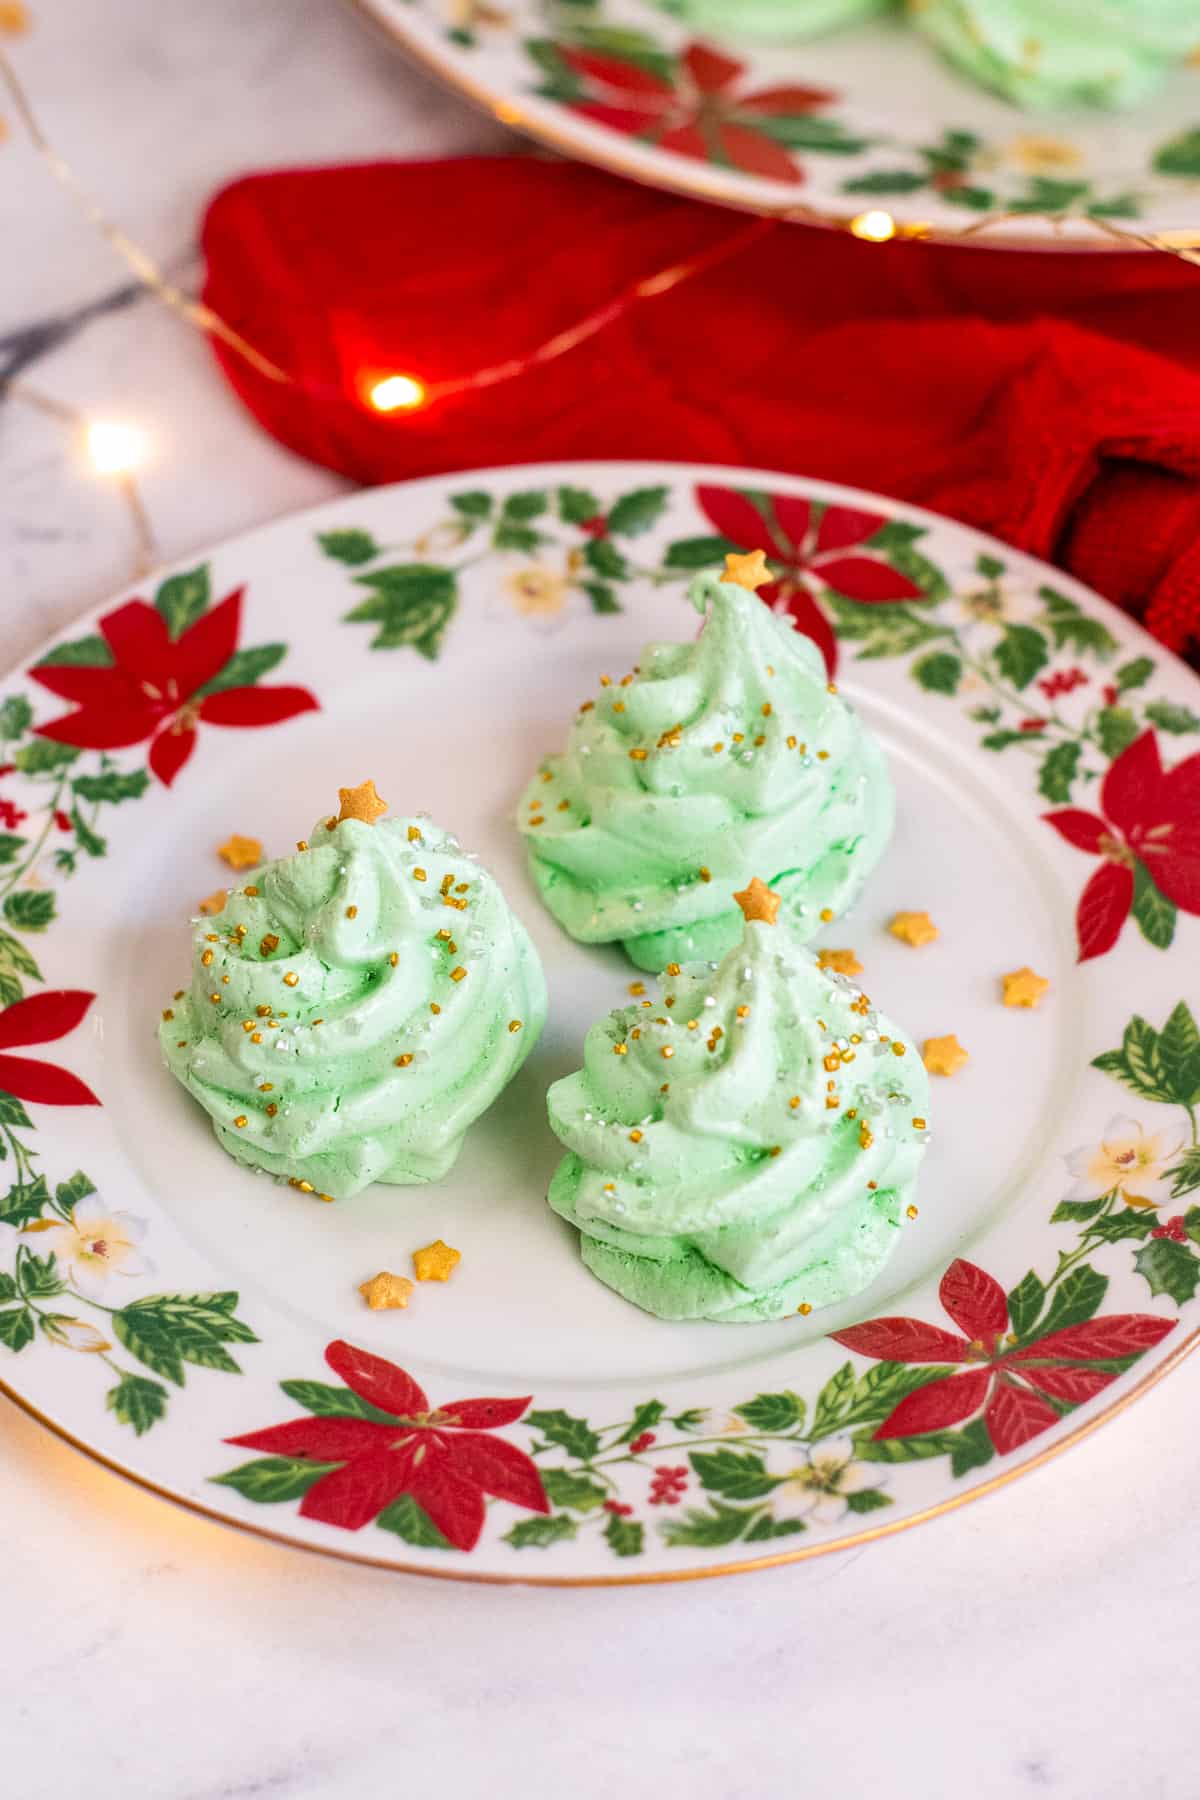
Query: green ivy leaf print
x=412 y=603
x=80 y=653
x=1072 y=628
x=16 y=1328
x=1186 y=1173
x=25 y=1201
x=1173 y=718
x=867 y=1500
x=1025 y=1302
x=708 y=1528
x=165 y=1331
x=577 y=505
x=268 y=1480
x=44 y=757
x=697 y=552
x=624 y=1537
x=1155 y=914
x=244 y=668
x=182 y=598
x=1180 y=155
x=330 y=1402
x=637 y=511
x=1058 y=770
x=738 y=1477
x=349 y=547
x=939 y=673
x=137 y=1401
x=1162 y=1066
x=30 y=909
x=412 y=1523
x=644 y=1416
x=1021 y=652
x=474 y=504
x=16 y=716
x=579 y=1492
x=111 y=786
x=1075 y=1300
x=773 y=1412
x=1133 y=674
x=540 y=1533
x=1117 y=728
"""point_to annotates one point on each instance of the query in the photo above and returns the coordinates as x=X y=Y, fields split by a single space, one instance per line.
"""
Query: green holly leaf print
x=603 y=556
x=16 y=716
x=1180 y=155
x=80 y=653
x=691 y=1420
x=412 y=603
x=10 y=847
x=39 y=1277
x=1169 y=1268
x=644 y=1416
x=637 y=511
x=739 y=1477
x=767 y=1527
x=244 y=668
x=137 y=1401
x=1002 y=740
x=1025 y=1302
x=990 y=567
x=540 y=1533
x=579 y=1492
x=16 y=1328
x=165 y=1331
x=269 y=1480
x=88 y=840
x=938 y=673
x=890 y=630
x=530 y=504
x=976 y=199
x=75 y=1188
x=349 y=547
x=1058 y=771
x=574 y=1435
x=886 y=181
x=1047 y=195
x=624 y=1537
x=1076 y=1299
x=29 y=909
x=1117 y=727
x=705 y=1529
x=1133 y=674
x=329 y=1402
x=1155 y=914
x=1185 y=1176
x=867 y=1500
x=697 y=552
x=1072 y=628
x=1159 y=1066
x=773 y=1412
x=1021 y=652
x=44 y=757
x=577 y=505
x=897 y=541
x=602 y=597
x=111 y=786
x=182 y=598
x=1170 y=717
x=1071 y=1210
x=412 y=1523
x=474 y=504
x=1115 y=1227
x=25 y=1201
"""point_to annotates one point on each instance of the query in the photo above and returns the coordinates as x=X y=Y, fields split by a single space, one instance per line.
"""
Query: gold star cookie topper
x=943 y=1055
x=1023 y=988
x=842 y=962
x=241 y=852
x=214 y=903
x=748 y=571
x=758 y=902
x=915 y=928
x=385 y=1291
x=361 y=802
x=436 y=1262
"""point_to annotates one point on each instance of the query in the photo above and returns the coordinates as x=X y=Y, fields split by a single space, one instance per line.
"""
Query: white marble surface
x=1038 y=1641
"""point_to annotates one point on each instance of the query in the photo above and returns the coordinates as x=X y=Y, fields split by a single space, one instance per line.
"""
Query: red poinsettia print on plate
x=445 y=1458
x=697 y=111
x=1013 y=1382
x=1148 y=834
x=810 y=546
x=40 y=1020
x=146 y=683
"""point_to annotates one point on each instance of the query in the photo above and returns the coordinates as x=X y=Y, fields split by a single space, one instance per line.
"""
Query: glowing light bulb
x=116 y=449
x=875 y=226
x=396 y=392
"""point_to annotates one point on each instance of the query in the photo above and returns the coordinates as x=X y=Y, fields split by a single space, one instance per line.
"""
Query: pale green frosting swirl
x=300 y=1038
x=716 y=760
x=773 y=21
x=715 y=1197
x=1050 y=53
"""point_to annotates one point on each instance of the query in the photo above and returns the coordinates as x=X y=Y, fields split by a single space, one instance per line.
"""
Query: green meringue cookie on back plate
x=714 y=759
x=773 y=21
x=356 y=1006
x=746 y=1146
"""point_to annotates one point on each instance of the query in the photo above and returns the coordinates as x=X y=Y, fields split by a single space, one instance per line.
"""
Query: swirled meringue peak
x=713 y=759
x=746 y=1145
x=356 y=1006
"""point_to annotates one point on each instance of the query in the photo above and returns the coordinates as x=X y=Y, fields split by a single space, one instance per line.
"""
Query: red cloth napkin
x=1051 y=399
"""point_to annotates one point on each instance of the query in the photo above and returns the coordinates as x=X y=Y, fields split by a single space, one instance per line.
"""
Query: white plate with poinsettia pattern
x=864 y=120
x=168 y=1311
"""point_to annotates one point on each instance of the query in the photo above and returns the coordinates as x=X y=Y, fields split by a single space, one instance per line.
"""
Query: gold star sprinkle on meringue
x=915 y=928
x=842 y=962
x=436 y=1262
x=241 y=852
x=758 y=902
x=385 y=1291
x=1023 y=988
x=748 y=571
x=214 y=904
x=943 y=1055
x=361 y=802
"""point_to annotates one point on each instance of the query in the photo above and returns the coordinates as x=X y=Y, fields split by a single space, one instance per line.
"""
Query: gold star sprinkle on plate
x=915 y=928
x=436 y=1262
x=758 y=901
x=361 y=802
x=241 y=852
x=748 y=571
x=385 y=1291
x=943 y=1055
x=1023 y=988
x=215 y=903
x=842 y=962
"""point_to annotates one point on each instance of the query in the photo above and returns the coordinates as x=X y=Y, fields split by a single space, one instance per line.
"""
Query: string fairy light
x=115 y=451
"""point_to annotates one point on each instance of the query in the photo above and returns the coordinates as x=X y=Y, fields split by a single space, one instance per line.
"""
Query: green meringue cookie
x=719 y=1198
x=1050 y=53
x=718 y=758
x=377 y=942
x=774 y=21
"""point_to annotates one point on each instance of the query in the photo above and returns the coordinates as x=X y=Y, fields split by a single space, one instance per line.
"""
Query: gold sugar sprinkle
x=271 y=1109
x=515 y=1024
x=705 y=874
x=414 y=835
x=547 y=775
x=759 y=740
x=832 y=1102
x=794 y=1102
x=328 y=1198
x=564 y=806
x=791 y=743
x=588 y=706
x=822 y=756
x=775 y=1150
x=420 y=875
x=637 y=987
x=457 y=974
x=302 y=843
x=637 y=755
x=911 y=1211
x=872 y=1185
x=265 y=1087
x=306 y=1187
x=866 y=1137
x=178 y=994
x=447 y=884
x=206 y=959
x=315 y=1023
x=667 y=1051
x=918 y=1124
x=394 y=958
x=833 y=1061
x=743 y=1012
x=739 y=737
x=674 y=969
x=263 y=1011
x=352 y=912
x=619 y=1050
x=635 y=1137
x=291 y=979
x=636 y=1033
x=402 y=1062
x=766 y=709
x=168 y=1013
x=256 y=1037
x=225 y=981
x=826 y=914
x=804 y=1308
x=247 y=1024
x=181 y=1044
x=618 y=706
x=241 y=1121
x=606 y=681
x=252 y=892
x=897 y=1049
x=267 y=943
x=717 y=749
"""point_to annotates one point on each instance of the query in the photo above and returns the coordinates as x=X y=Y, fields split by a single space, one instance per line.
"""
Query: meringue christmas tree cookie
x=354 y=1007
x=746 y=1145
x=773 y=21
x=714 y=759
